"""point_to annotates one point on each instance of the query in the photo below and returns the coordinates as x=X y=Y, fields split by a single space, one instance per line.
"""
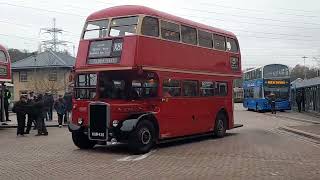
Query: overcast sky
x=269 y=31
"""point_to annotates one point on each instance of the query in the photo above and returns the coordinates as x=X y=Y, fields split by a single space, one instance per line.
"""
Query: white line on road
x=136 y=158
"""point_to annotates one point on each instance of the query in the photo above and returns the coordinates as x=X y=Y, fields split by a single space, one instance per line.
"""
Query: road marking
x=136 y=158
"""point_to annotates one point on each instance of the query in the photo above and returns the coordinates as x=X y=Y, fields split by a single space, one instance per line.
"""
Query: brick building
x=46 y=71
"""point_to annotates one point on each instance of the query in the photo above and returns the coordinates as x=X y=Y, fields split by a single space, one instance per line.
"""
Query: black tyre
x=220 y=126
x=142 y=139
x=82 y=141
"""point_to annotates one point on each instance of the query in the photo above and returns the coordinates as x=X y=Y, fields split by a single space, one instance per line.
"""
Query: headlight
x=115 y=123
x=80 y=121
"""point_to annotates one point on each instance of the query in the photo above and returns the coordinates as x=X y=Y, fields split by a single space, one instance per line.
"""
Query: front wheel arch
x=148 y=117
x=221 y=124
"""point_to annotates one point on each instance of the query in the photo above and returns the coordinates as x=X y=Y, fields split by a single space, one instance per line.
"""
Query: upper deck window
x=170 y=31
x=96 y=29
x=3 y=57
x=219 y=42
x=232 y=45
x=189 y=35
x=205 y=39
x=150 y=26
x=123 y=26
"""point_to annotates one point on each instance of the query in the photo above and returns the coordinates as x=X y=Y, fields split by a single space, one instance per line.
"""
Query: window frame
x=53 y=75
x=86 y=25
x=224 y=37
x=23 y=79
x=183 y=85
x=141 y=26
x=236 y=43
x=178 y=87
x=218 y=89
x=170 y=22
x=211 y=35
x=122 y=17
x=201 y=88
x=182 y=36
x=5 y=56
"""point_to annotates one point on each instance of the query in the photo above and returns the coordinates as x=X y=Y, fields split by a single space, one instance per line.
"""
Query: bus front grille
x=99 y=115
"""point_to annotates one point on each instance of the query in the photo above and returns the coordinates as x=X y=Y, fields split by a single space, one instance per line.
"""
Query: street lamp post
x=304 y=68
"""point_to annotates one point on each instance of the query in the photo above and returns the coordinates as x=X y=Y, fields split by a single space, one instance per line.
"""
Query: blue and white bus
x=260 y=82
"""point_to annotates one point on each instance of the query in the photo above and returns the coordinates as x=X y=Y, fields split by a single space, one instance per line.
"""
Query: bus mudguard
x=129 y=124
x=75 y=128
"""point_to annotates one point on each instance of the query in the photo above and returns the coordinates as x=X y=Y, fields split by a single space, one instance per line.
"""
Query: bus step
x=237 y=126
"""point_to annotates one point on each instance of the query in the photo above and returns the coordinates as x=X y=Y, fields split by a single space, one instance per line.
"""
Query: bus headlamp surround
x=115 y=123
x=80 y=121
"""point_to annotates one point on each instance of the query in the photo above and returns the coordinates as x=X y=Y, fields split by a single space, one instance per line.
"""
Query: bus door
x=173 y=111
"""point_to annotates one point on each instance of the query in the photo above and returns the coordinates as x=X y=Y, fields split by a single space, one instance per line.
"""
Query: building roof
x=45 y=59
x=306 y=82
x=135 y=10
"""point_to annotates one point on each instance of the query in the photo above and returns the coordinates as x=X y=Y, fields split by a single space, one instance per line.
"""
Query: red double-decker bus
x=5 y=76
x=5 y=65
x=143 y=76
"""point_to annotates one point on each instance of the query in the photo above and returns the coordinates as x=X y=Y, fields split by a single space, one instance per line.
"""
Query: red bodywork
x=5 y=65
x=176 y=116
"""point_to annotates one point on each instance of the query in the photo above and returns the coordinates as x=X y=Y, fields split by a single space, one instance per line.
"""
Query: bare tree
x=44 y=85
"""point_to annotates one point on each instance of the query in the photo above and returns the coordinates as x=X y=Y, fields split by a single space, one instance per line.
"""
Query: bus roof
x=262 y=67
x=134 y=10
x=2 y=48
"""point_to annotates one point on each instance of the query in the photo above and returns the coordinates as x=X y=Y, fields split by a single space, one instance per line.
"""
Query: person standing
x=20 y=108
x=7 y=96
x=60 y=107
x=31 y=113
x=272 y=100
x=68 y=101
x=39 y=108
x=299 y=100
x=48 y=100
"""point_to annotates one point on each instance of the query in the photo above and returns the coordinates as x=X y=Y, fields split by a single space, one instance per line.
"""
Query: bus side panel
x=151 y=53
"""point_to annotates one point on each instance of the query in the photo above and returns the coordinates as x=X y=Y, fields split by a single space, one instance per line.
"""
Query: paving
x=256 y=151
x=298 y=116
x=314 y=129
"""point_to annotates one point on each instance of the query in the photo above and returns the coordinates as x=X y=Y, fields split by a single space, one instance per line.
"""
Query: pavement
x=293 y=115
x=259 y=150
x=13 y=123
x=311 y=131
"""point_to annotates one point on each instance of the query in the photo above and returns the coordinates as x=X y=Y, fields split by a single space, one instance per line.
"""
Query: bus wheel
x=142 y=139
x=82 y=141
x=220 y=126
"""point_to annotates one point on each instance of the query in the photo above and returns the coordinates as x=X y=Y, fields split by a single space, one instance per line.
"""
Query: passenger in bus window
x=106 y=87
x=166 y=92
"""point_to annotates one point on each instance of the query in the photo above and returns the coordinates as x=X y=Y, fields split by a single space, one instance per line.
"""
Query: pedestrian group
x=39 y=108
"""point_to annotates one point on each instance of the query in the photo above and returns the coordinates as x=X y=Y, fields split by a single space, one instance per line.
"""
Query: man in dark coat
x=39 y=109
x=299 y=100
x=68 y=101
x=20 y=108
x=31 y=113
x=60 y=107
x=7 y=96
x=48 y=99
x=272 y=101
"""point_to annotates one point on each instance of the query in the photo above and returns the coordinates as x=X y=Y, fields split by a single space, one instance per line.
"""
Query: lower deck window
x=126 y=86
x=221 y=89
x=190 y=88
x=171 y=88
